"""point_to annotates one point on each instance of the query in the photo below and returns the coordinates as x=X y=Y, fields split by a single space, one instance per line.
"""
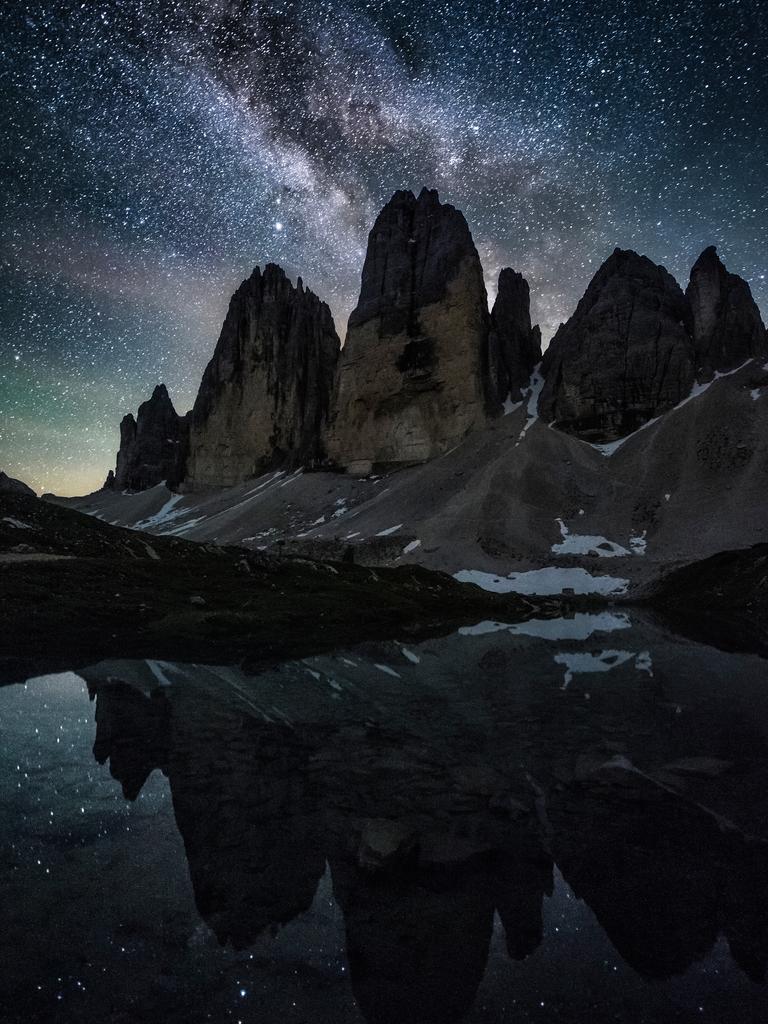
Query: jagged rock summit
x=727 y=326
x=265 y=395
x=515 y=346
x=624 y=357
x=425 y=363
x=152 y=446
x=413 y=377
x=636 y=344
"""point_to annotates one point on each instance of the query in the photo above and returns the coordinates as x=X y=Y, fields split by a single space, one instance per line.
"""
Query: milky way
x=154 y=152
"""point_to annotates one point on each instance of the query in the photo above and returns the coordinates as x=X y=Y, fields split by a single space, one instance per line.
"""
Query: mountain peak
x=265 y=394
x=727 y=326
x=624 y=356
x=151 y=445
x=515 y=346
x=413 y=373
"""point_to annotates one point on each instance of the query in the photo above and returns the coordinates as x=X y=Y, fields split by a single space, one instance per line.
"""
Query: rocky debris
x=265 y=395
x=8 y=485
x=413 y=375
x=515 y=346
x=708 y=766
x=625 y=356
x=101 y=590
x=152 y=446
x=727 y=327
x=369 y=551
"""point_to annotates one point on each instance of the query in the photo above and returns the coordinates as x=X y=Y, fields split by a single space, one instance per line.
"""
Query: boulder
x=265 y=395
x=624 y=357
x=413 y=376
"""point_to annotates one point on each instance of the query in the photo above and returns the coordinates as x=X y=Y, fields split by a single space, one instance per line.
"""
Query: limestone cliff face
x=265 y=395
x=625 y=356
x=413 y=376
x=727 y=327
x=515 y=346
x=152 y=446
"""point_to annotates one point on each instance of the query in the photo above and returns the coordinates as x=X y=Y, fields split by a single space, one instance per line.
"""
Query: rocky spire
x=727 y=327
x=515 y=346
x=265 y=395
x=413 y=376
x=625 y=356
x=151 y=445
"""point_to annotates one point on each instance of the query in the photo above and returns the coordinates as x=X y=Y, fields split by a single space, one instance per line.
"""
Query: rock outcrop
x=625 y=356
x=515 y=346
x=413 y=376
x=152 y=446
x=8 y=485
x=265 y=395
x=727 y=327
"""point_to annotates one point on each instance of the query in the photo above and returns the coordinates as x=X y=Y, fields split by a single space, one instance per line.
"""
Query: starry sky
x=152 y=152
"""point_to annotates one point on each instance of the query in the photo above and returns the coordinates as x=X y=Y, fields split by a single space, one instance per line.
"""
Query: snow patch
x=586 y=544
x=638 y=544
x=592 y=544
x=17 y=523
x=755 y=393
x=580 y=663
x=413 y=658
x=644 y=662
x=389 y=671
x=176 y=531
x=510 y=406
x=167 y=514
x=411 y=547
x=157 y=668
x=388 y=532
x=533 y=391
x=291 y=478
x=578 y=627
x=549 y=580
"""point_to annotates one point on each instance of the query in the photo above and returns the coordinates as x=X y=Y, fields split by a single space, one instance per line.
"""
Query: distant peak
x=274 y=270
x=708 y=256
x=404 y=196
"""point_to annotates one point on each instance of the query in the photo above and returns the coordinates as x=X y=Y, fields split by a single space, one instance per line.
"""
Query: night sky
x=152 y=153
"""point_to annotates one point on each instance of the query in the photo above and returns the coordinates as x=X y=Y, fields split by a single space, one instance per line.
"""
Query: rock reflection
x=434 y=822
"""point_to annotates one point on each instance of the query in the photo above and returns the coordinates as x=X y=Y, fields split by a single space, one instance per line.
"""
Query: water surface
x=554 y=821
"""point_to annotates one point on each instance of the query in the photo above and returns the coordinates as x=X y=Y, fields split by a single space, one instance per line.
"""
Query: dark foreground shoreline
x=74 y=590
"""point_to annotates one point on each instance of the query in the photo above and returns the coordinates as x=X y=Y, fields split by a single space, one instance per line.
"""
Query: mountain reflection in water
x=395 y=834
